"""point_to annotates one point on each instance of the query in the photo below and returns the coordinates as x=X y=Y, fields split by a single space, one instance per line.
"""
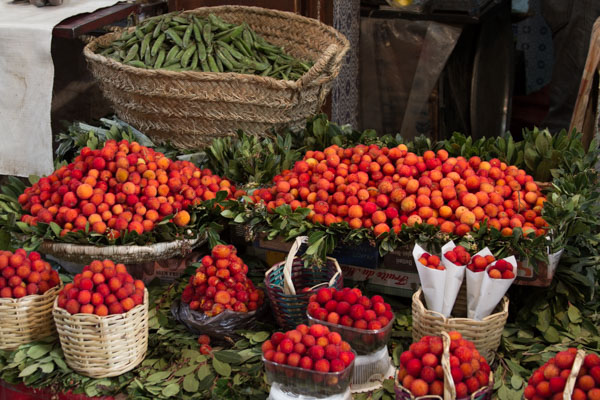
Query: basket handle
x=288 y=285
x=324 y=65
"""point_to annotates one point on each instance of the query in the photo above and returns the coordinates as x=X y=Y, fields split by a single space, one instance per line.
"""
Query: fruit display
x=421 y=369
x=430 y=261
x=221 y=283
x=102 y=288
x=365 y=323
x=23 y=274
x=120 y=187
x=479 y=262
x=501 y=270
x=313 y=359
x=587 y=385
x=458 y=256
x=383 y=188
x=185 y=42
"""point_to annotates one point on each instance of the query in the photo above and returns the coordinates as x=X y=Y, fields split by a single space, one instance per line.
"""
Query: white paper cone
x=432 y=282
x=493 y=290
x=474 y=280
x=454 y=278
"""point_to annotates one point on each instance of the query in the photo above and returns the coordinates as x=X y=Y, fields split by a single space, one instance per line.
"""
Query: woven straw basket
x=101 y=347
x=190 y=108
x=484 y=393
x=485 y=334
x=27 y=319
x=84 y=254
x=283 y=280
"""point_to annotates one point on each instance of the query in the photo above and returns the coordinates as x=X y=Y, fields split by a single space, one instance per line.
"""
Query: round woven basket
x=101 y=347
x=190 y=108
x=84 y=254
x=27 y=319
x=485 y=334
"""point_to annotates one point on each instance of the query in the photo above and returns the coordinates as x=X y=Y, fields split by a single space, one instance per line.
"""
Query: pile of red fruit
x=549 y=381
x=430 y=261
x=123 y=186
x=221 y=283
x=348 y=307
x=502 y=269
x=383 y=188
x=458 y=256
x=102 y=288
x=311 y=348
x=421 y=370
x=479 y=263
x=24 y=274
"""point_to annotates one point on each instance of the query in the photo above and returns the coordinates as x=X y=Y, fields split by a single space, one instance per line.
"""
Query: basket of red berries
x=219 y=298
x=310 y=361
x=291 y=283
x=571 y=374
x=102 y=320
x=365 y=323
x=28 y=287
x=443 y=367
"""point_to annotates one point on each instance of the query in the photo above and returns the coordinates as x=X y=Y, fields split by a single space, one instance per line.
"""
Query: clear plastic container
x=307 y=382
x=361 y=340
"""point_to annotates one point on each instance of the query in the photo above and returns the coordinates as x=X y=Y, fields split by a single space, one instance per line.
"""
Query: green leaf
x=190 y=384
x=574 y=314
x=30 y=369
x=47 y=367
x=158 y=376
x=542 y=144
x=551 y=335
x=260 y=337
x=228 y=356
x=38 y=351
x=170 y=390
x=203 y=372
x=516 y=381
x=221 y=368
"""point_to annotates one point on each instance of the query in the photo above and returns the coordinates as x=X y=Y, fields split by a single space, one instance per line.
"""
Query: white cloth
x=26 y=78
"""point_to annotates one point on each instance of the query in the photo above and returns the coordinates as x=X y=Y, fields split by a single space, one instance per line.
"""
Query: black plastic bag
x=219 y=327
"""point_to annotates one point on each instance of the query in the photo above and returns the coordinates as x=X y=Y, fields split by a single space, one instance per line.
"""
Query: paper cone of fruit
x=219 y=297
x=570 y=375
x=496 y=280
x=432 y=275
x=454 y=259
x=474 y=274
x=446 y=366
x=311 y=361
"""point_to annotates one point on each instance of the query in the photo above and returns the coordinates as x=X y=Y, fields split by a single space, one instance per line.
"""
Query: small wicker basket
x=484 y=393
x=128 y=254
x=191 y=108
x=282 y=279
x=485 y=334
x=27 y=319
x=101 y=347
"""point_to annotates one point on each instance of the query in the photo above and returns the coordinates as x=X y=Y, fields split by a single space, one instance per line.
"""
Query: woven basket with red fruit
x=447 y=367
x=219 y=298
x=28 y=287
x=125 y=196
x=102 y=320
x=291 y=283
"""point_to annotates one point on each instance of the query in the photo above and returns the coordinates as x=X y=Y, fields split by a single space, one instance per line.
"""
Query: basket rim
x=29 y=297
x=416 y=299
x=89 y=51
x=116 y=317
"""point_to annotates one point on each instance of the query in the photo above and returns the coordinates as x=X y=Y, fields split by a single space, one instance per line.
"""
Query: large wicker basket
x=130 y=254
x=485 y=334
x=190 y=108
x=27 y=319
x=101 y=347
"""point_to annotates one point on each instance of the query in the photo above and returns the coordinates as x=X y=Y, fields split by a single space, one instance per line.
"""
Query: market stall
x=218 y=238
